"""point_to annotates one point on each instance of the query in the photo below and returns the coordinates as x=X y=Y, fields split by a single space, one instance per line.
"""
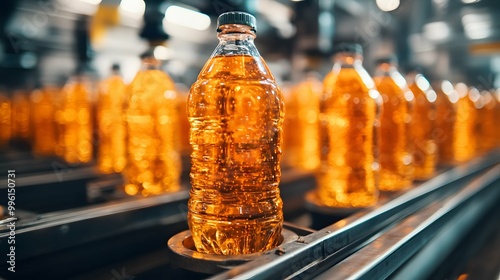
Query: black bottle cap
x=391 y=59
x=237 y=18
x=348 y=48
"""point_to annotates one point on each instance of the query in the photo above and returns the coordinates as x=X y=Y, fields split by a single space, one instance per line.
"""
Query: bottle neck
x=348 y=60
x=385 y=69
x=150 y=63
x=236 y=39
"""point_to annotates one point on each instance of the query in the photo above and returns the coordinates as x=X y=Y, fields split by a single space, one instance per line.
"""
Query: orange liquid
x=5 y=120
x=111 y=153
x=236 y=113
x=183 y=123
x=395 y=147
x=43 y=113
x=302 y=117
x=75 y=122
x=21 y=116
x=464 y=134
x=151 y=125
x=348 y=174
x=425 y=154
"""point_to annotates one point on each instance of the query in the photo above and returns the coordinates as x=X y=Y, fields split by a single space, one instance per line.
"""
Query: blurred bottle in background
x=111 y=150
x=396 y=147
x=486 y=125
x=425 y=153
x=43 y=114
x=21 y=130
x=447 y=96
x=74 y=118
x=5 y=120
x=152 y=133
x=349 y=120
x=464 y=137
x=302 y=114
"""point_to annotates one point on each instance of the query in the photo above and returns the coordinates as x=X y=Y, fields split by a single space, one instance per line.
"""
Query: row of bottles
x=361 y=135
x=130 y=128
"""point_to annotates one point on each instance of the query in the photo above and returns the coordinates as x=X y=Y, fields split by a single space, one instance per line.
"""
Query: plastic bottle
x=74 y=119
x=21 y=130
x=43 y=111
x=445 y=120
x=305 y=97
x=396 y=150
x=485 y=123
x=425 y=153
x=464 y=134
x=151 y=129
x=236 y=113
x=111 y=151
x=5 y=120
x=348 y=176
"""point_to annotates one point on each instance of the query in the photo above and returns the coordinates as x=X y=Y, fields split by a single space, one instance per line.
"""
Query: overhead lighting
x=93 y=2
x=161 y=53
x=470 y=1
x=187 y=17
x=437 y=31
x=477 y=26
x=134 y=7
x=387 y=5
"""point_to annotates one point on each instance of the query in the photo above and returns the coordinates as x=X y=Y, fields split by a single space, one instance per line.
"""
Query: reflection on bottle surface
x=151 y=128
x=43 y=112
x=236 y=113
x=349 y=136
x=396 y=151
x=111 y=151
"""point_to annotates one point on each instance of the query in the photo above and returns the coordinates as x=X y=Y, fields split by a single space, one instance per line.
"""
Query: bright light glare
x=93 y=2
x=422 y=82
x=186 y=17
x=437 y=31
x=387 y=5
x=470 y=1
x=161 y=53
x=447 y=87
x=477 y=26
x=136 y=7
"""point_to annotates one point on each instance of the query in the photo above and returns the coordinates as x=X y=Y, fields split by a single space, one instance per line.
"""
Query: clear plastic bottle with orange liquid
x=151 y=128
x=5 y=120
x=396 y=147
x=21 y=128
x=425 y=153
x=302 y=117
x=111 y=150
x=43 y=112
x=350 y=108
x=236 y=112
x=447 y=96
x=485 y=123
x=464 y=130
x=75 y=118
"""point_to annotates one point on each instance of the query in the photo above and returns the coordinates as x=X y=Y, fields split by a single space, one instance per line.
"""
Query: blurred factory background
x=450 y=39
